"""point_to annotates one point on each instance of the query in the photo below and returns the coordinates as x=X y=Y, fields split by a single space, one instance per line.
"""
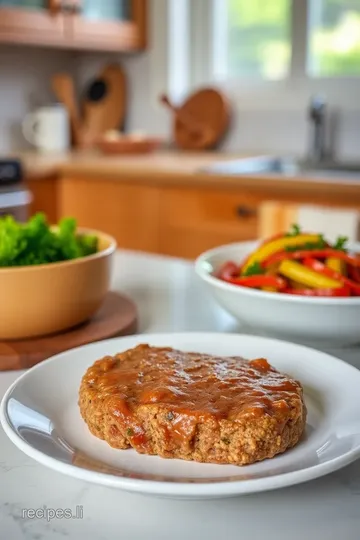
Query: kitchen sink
x=286 y=166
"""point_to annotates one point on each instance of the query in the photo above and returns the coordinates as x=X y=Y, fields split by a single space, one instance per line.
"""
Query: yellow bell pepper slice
x=301 y=274
x=336 y=264
x=265 y=250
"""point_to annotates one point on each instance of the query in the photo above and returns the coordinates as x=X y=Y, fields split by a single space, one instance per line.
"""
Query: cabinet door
x=31 y=21
x=111 y=25
x=194 y=220
x=45 y=197
x=128 y=212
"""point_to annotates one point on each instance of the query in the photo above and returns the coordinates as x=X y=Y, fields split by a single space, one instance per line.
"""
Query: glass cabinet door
x=114 y=10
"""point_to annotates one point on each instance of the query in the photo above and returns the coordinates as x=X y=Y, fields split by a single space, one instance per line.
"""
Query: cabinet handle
x=245 y=211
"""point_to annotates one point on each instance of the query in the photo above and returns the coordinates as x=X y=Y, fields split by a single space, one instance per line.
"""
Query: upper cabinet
x=110 y=25
x=31 y=22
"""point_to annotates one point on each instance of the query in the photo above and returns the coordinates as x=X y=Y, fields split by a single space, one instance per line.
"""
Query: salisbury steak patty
x=192 y=406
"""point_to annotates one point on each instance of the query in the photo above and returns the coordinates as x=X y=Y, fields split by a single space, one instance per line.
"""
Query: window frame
x=293 y=92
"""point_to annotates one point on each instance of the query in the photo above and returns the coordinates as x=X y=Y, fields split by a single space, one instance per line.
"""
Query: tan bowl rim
x=81 y=260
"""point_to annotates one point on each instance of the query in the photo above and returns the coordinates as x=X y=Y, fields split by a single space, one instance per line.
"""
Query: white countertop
x=170 y=298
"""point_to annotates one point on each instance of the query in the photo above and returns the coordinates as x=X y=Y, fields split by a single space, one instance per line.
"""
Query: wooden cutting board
x=116 y=317
x=104 y=104
x=201 y=122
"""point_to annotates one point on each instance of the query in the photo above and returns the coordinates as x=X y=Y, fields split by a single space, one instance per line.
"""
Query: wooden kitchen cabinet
x=32 y=22
x=182 y=222
x=194 y=220
x=162 y=216
x=44 y=191
x=116 y=25
x=110 y=25
x=161 y=203
x=128 y=212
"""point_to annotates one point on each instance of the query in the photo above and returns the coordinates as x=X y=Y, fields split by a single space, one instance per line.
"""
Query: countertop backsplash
x=25 y=74
x=25 y=85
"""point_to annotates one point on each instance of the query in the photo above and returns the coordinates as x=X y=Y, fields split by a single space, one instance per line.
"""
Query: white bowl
x=323 y=321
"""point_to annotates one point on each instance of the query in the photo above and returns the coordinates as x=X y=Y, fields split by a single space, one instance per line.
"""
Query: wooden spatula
x=63 y=87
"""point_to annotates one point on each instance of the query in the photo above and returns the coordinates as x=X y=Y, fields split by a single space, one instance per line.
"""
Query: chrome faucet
x=317 y=116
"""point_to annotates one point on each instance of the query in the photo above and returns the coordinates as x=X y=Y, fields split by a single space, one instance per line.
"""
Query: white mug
x=48 y=129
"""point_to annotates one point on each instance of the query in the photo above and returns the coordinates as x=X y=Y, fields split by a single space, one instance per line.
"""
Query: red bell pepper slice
x=318 y=266
x=341 y=291
x=312 y=253
x=259 y=281
x=228 y=271
x=354 y=273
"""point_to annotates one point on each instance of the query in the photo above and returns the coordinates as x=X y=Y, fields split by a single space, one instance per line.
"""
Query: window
x=277 y=53
x=257 y=38
x=334 y=28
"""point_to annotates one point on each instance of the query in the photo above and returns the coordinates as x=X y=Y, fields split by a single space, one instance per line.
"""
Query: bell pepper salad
x=298 y=263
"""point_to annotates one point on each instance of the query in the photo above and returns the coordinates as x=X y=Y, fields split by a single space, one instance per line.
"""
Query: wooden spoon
x=63 y=87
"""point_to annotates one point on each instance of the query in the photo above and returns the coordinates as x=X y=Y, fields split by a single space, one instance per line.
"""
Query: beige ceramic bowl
x=49 y=298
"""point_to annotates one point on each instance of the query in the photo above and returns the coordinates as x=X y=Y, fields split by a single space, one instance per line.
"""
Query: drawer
x=192 y=221
x=214 y=207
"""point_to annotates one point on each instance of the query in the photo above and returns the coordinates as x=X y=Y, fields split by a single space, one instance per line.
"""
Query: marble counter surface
x=170 y=298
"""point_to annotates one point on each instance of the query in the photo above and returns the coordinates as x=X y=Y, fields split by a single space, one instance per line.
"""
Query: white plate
x=40 y=415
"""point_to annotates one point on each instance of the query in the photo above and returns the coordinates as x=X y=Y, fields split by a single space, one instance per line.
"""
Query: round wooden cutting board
x=116 y=317
x=210 y=113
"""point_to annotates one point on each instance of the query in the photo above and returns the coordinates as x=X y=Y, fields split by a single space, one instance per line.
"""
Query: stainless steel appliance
x=15 y=199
